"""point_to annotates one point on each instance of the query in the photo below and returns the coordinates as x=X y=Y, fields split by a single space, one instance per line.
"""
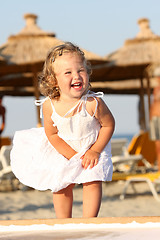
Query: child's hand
x=90 y=158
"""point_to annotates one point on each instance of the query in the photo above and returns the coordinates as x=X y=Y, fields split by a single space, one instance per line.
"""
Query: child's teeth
x=76 y=84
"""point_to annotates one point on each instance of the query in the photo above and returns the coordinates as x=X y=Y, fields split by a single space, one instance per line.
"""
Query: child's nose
x=76 y=75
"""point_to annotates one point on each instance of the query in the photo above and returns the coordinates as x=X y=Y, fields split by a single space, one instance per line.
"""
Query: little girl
x=74 y=145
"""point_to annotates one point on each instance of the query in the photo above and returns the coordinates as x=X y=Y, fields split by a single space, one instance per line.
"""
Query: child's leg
x=92 y=195
x=62 y=201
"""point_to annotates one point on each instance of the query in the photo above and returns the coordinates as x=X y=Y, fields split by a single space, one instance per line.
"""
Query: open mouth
x=76 y=85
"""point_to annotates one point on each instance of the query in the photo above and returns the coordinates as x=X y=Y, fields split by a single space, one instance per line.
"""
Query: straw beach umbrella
x=25 y=54
x=130 y=60
x=126 y=71
x=2 y=60
x=26 y=51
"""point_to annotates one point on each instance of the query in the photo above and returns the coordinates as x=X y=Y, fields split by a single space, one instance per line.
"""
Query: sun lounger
x=5 y=168
x=127 y=159
x=141 y=151
x=127 y=163
x=140 y=155
x=121 y=159
x=152 y=179
x=141 y=144
x=5 y=141
x=119 y=146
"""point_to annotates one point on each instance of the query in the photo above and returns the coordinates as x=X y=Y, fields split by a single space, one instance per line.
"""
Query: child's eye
x=67 y=72
x=81 y=70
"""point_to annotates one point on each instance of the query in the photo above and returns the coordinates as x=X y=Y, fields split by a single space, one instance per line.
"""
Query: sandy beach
x=33 y=204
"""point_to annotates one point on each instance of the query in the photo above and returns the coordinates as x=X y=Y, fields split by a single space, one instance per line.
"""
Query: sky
x=99 y=26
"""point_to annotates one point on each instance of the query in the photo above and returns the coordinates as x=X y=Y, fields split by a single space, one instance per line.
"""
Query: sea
x=128 y=136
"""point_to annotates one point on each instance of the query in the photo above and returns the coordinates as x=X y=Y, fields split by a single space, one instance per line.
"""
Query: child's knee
x=65 y=190
x=71 y=186
x=93 y=185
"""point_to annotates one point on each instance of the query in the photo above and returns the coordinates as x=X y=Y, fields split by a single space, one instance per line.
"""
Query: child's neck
x=68 y=100
x=63 y=105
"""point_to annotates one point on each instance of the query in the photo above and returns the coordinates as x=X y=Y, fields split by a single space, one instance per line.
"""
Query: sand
x=88 y=231
x=33 y=204
x=31 y=216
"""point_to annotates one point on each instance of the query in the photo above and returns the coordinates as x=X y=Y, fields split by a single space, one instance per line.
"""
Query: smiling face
x=71 y=75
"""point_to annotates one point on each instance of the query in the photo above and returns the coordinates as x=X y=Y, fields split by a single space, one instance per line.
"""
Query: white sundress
x=37 y=164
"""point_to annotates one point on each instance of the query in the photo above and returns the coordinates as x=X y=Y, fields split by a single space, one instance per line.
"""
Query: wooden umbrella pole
x=149 y=95
x=142 y=103
x=148 y=73
x=37 y=95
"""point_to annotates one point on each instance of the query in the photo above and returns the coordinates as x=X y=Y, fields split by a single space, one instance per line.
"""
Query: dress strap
x=40 y=103
x=72 y=109
x=94 y=95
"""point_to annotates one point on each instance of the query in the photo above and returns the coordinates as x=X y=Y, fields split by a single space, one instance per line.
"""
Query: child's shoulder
x=94 y=100
x=47 y=105
x=94 y=97
x=92 y=103
x=95 y=104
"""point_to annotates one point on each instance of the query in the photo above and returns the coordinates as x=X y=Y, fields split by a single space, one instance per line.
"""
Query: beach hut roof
x=32 y=28
x=2 y=60
x=131 y=60
x=143 y=49
x=24 y=54
x=31 y=44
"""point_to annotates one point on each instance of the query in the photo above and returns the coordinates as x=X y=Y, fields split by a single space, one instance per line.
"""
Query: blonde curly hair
x=48 y=85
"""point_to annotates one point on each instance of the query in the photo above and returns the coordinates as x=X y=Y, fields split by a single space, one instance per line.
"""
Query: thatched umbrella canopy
x=25 y=54
x=140 y=50
x=128 y=65
x=26 y=51
x=131 y=60
x=31 y=45
x=2 y=60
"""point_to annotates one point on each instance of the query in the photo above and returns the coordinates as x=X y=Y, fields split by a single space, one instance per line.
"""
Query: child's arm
x=51 y=132
x=107 y=122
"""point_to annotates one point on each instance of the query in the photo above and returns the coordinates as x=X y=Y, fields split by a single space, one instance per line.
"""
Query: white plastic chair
x=5 y=167
x=152 y=179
